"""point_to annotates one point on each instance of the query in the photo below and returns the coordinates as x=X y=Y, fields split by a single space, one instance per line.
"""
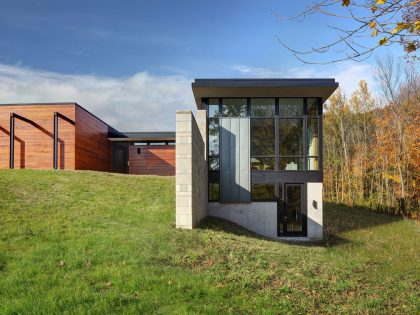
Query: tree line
x=371 y=144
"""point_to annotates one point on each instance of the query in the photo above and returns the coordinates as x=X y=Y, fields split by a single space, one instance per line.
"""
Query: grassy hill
x=81 y=242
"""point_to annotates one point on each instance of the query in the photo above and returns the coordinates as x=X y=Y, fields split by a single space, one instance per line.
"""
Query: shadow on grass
x=338 y=219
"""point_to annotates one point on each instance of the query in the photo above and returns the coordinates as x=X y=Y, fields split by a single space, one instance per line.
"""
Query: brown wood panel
x=34 y=141
x=152 y=160
x=93 y=149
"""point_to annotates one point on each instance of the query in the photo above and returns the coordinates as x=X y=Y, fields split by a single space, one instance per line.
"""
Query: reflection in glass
x=214 y=189
x=312 y=107
x=293 y=216
x=214 y=107
x=312 y=134
x=263 y=192
x=313 y=164
x=291 y=164
x=263 y=163
x=290 y=107
x=263 y=107
x=291 y=137
x=214 y=133
x=263 y=137
x=214 y=163
x=234 y=107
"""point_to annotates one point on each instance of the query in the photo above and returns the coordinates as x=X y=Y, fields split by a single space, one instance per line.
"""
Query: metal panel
x=235 y=170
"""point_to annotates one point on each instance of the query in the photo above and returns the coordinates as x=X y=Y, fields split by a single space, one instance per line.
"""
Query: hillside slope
x=106 y=243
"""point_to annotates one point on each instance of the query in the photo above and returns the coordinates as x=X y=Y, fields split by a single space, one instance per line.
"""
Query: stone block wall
x=191 y=168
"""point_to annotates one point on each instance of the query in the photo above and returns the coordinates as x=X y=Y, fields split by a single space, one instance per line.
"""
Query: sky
x=132 y=62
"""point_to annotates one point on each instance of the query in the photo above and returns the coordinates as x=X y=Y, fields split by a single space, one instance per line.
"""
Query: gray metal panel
x=235 y=173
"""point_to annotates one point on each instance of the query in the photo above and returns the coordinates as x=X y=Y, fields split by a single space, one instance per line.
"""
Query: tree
x=387 y=22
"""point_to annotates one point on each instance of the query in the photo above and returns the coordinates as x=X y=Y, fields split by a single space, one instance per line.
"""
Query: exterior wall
x=152 y=160
x=191 y=170
x=315 y=210
x=93 y=149
x=259 y=217
x=34 y=142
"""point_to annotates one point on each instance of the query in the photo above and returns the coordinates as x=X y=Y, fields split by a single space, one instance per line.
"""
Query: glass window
x=214 y=189
x=291 y=107
x=313 y=164
x=214 y=133
x=214 y=163
x=313 y=107
x=234 y=107
x=312 y=134
x=291 y=164
x=263 y=163
x=214 y=107
x=263 y=192
x=263 y=137
x=291 y=137
x=263 y=107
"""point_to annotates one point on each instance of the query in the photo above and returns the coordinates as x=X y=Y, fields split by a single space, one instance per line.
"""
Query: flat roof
x=284 y=87
x=143 y=136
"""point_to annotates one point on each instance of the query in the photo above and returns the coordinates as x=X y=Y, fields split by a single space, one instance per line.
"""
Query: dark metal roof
x=142 y=136
x=264 y=82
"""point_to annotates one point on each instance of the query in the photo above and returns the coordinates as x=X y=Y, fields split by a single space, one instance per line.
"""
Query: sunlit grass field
x=86 y=242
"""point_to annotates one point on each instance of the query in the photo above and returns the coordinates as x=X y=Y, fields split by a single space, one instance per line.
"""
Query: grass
x=86 y=242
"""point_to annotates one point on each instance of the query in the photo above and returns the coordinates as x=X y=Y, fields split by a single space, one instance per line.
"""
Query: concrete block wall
x=191 y=169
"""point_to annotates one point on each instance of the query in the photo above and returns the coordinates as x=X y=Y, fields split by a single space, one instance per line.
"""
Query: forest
x=371 y=142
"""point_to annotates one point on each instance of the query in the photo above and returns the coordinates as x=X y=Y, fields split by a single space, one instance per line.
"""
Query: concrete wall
x=191 y=169
x=314 y=208
x=259 y=217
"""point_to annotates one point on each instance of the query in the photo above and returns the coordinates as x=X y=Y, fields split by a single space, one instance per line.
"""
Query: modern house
x=253 y=155
x=67 y=136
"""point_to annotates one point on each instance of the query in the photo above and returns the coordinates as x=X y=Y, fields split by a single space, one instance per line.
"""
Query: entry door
x=292 y=216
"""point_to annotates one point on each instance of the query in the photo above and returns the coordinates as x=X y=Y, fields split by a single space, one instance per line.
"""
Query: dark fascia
x=142 y=136
x=316 y=82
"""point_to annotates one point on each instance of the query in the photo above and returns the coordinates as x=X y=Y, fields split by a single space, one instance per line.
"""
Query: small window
x=291 y=164
x=313 y=108
x=263 y=163
x=291 y=107
x=214 y=163
x=313 y=164
x=214 y=107
x=214 y=189
x=140 y=143
x=263 y=192
x=157 y=143
x=234 y=107
x=263 y=107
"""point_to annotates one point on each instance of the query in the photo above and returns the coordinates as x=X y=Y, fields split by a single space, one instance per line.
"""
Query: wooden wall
x=93 y=149
x=153 y=160
x=34 y=142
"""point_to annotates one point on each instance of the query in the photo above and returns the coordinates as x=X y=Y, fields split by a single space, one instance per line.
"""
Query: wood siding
x=93 y=149
x=152 y=160
x=34 y=141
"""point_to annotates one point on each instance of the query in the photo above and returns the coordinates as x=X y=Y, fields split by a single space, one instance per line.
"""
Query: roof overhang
x=204 y=88
x=141 y=136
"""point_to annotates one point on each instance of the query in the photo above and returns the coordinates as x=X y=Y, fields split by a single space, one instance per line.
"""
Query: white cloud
x=347 y=74
x=142 y=102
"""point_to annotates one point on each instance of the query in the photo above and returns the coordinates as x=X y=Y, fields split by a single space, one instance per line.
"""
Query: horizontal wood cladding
x=93 y=149
x=152 y=160
x=34 y=141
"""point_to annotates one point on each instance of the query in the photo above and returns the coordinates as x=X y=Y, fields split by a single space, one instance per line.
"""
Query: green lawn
x=86 y=242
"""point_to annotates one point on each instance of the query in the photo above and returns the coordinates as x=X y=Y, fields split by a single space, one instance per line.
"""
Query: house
x=67 y=136
x=253 y=155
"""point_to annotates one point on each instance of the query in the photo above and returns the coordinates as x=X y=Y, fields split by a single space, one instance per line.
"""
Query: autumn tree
x=375 y=23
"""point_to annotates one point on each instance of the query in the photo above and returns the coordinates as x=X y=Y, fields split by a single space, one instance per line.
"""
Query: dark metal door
x=120 y=157
x=291 y=211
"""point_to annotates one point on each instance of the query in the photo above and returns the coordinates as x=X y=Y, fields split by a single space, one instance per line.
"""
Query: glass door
x=292 y=217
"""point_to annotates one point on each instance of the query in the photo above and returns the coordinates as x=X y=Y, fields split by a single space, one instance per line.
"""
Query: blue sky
x=47 y=48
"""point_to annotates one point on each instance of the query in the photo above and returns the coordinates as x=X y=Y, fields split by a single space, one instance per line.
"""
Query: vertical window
x=214 y=190
x=214 y=107
x=213 y=147
x=234 y=107
x=291 y=153
x=263 y=145
x=313 y=107
x=312 y=146
x=263 y=107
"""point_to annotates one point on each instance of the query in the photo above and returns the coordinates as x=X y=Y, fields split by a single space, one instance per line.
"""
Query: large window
x=263 y=144
x=235 y=107
x=263 y=192
x=263 y=107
